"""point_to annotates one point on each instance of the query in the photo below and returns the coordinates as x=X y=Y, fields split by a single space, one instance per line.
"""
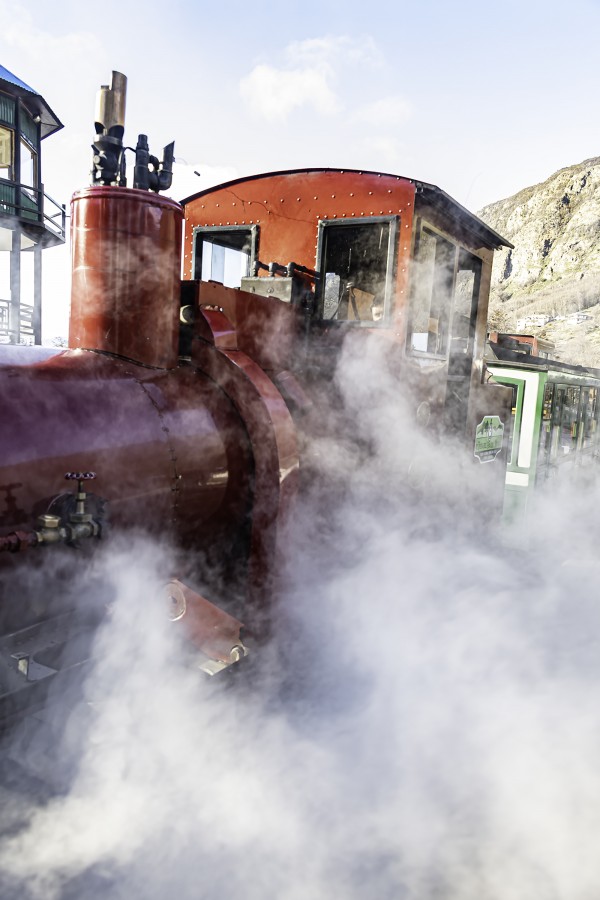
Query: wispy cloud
x=274 y=93
x=36 y=46
x=307 y=77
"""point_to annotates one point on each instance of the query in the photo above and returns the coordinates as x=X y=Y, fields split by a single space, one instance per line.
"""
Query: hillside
x=554 y=269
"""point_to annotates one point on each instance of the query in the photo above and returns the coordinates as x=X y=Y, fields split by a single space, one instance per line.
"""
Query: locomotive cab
x=397 y=257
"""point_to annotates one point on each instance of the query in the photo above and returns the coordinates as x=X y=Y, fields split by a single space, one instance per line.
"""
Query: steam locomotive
x=184 y=407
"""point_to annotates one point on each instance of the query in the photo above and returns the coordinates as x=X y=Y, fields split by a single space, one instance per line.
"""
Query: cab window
x=431 y=299
x=356 y=261
x=224 y=254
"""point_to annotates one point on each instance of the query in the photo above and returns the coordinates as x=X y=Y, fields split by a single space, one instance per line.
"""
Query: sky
x=481 y=100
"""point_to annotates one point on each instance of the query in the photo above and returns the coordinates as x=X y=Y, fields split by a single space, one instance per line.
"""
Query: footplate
x=214 y=633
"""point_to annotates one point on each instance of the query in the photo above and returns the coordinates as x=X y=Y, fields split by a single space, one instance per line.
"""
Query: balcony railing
x=26 y=334
x=33 y=205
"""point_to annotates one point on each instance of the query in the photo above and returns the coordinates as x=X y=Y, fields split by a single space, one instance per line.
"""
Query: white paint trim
x=530 y=394
x=518 y=479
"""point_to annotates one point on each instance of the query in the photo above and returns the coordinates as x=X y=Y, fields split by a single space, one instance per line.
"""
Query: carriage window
x=357 y=264
x=224 y=254
x=589 y=407
x=545 y=440
x=6 y=153
x=569 y=423
x=431 y=302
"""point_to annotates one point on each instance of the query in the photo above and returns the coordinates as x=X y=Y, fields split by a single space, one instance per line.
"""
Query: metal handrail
x=35 y=209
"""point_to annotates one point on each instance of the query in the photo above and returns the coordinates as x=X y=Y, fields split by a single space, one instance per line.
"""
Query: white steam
x=424 y=725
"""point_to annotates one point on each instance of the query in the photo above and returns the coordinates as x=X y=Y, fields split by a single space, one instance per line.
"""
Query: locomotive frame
x=188 y=399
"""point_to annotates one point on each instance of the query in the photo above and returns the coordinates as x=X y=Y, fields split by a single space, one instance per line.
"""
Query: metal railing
x=4 y=321
x=26 y=326
x=33 y=205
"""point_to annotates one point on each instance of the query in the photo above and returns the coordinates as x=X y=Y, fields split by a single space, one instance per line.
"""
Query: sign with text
x=488 y=438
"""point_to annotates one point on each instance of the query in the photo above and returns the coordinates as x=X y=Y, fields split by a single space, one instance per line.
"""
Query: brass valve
x=80 y=515
x=61 y=524
x=71 y=527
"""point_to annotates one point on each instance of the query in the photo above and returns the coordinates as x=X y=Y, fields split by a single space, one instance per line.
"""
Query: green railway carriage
x=555 y=430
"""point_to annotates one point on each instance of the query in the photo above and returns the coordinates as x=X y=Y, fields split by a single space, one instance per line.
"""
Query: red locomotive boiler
x=183 y=398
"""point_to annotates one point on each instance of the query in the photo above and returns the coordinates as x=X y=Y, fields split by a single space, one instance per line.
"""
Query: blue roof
x=12 y=79
x=33 y=101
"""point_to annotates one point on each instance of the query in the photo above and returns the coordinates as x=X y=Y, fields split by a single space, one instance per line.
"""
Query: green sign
x=488 y=438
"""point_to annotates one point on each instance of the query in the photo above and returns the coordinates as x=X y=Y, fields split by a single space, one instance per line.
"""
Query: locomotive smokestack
x=110 y=103
x=126 y=247
x=109 y=154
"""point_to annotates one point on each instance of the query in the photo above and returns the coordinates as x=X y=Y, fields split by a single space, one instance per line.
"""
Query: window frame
x=423 y=223
x=390 y=268
x=198 y=238
x=11 y=167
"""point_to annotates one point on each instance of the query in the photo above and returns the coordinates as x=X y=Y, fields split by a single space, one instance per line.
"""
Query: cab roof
x=431 y=194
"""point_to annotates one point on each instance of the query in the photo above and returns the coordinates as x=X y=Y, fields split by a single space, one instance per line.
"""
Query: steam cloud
x=424 y=725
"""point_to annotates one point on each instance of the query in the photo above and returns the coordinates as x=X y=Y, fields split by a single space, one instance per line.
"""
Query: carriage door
x=462 y=337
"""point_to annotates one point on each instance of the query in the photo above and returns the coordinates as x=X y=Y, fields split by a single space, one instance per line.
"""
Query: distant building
x=533 y=321
x=577 y=318
x=527 y=344
x=30 y=221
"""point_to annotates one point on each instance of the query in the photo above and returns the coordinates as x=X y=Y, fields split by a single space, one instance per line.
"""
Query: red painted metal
x=168 y=448
x=126 y=265
x=213 y=630
x=265 y=328
x=272 y=436
x=288 y=206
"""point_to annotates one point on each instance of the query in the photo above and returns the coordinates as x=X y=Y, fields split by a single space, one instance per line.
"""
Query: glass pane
x=355 y=263
x=464 y=314
x=569 y=423
x=433 y=276
x=224 y=256
x=545 y=427
x=6 y=153
x=28 y=160
x=564 y=424
x=590 y=416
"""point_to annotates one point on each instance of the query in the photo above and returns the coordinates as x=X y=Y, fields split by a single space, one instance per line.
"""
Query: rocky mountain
x=549 y=284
